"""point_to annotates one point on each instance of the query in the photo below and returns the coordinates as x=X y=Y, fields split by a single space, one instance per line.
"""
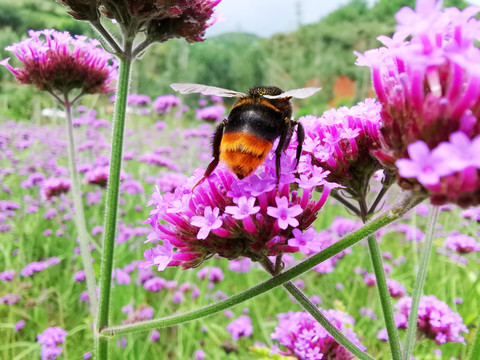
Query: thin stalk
x=393 y=338
x=420 y=282
x=475 y=349
x=345 y=203
x=407 y=202
x=381 y=281
x=317 y=314
x=106 y=35
x=111 y=204
x=83 y=236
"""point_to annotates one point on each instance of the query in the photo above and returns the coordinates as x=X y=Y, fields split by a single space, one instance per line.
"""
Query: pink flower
x=57 y=62
x=207 y=223
x=284 y=213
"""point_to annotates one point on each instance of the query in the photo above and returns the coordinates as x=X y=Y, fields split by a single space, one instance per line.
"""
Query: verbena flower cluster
x=435 y=320
x=57 y=62
x=306 y=339
x=161 y=20
x=50 y=339
x=341 y=140
x=233 y=218
x=427 y=80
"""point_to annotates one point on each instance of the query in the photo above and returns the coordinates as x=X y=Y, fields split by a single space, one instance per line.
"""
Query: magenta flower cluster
x=461 y=243
x=341 y=140
x=231 y=217
x=435 y=320
x=304 y=338
x=427 y=80
x=50 y=339
x=57 y=62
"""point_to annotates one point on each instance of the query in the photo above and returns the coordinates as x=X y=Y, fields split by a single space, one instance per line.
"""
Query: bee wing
x=189 y=88
x=301 y=93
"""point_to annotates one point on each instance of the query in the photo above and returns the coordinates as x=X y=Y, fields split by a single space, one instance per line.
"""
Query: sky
x=266 y=17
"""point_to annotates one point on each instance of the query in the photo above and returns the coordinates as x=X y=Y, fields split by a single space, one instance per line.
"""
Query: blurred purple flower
x=461 y=243
x=211 y=114
x=19 y=325
x=52 y=187
x=242 y=326
x=163 y=104
x=50 y=339
x=7 y=275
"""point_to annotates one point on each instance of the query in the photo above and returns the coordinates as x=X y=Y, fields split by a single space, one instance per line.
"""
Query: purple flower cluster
x=242 y=326
x=52 y=187
x=435 y=320
x=57 y=62
x=38 y=266
x=211 y=114
x=426 y=78
x=232 y=217
x=340 y=141
x=306 y=339
x=163 y=104
x=50 y=339
x=461 y=243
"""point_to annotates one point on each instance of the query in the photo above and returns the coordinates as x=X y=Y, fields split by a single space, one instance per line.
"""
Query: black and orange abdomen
x=243 y=152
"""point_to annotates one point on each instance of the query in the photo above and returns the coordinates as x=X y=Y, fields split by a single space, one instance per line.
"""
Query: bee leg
x=278 y=155
x=216 y=140
x=300 y=140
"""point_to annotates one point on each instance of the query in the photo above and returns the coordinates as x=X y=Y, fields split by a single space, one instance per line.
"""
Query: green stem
x=317 y=314
x=408 y=201
x=83 y=236
x=475 y=349
x=393 y=338
x=112 y=198
x=420 y=282
x=322 y=319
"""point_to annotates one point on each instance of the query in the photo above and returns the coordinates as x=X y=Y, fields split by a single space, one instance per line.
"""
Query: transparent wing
x=189 y=88
x=301 y=93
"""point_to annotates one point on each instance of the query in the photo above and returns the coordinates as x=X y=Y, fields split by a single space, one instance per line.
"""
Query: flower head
x=57 y=62
x=340 y=141
x=461 y=243
x=52 y=187
x=231 y=217
x=435 y=320
x=50 y=339
x=161 y=20
x=306 y=339
x=427 y=80
x=242 y=326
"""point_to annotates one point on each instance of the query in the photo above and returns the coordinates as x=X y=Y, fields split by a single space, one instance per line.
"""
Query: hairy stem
x=83 y=236
x=317 y=314
x=393 y=338
x=420 y=282
x=111 y=206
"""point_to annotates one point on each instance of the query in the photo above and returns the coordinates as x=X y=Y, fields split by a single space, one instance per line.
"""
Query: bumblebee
x=260 y=116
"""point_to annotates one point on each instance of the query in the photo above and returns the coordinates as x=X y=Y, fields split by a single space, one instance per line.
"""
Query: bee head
x=259 y=91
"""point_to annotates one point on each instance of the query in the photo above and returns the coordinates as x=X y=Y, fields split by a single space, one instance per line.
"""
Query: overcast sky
x=266 y=17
